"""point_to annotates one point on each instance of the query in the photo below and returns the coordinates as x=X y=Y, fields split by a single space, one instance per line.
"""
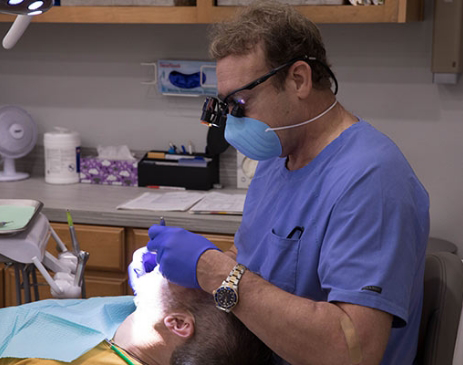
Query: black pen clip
x=295 y=230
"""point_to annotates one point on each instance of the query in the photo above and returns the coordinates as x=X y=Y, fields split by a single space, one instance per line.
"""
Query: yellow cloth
x=99 y=355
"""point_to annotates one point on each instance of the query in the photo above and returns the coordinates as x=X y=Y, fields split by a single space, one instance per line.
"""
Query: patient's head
x=184 y=327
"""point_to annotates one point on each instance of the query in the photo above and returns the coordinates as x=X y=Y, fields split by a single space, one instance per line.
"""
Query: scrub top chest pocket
x=280 y=259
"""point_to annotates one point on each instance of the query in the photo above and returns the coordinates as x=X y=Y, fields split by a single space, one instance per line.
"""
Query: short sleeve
x=374 y=242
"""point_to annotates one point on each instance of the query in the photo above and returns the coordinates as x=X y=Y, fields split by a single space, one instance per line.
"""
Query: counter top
x=96 y=204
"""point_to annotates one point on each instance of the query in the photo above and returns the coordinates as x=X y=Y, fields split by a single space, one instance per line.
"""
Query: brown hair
x=219 y=338
x=281 y=30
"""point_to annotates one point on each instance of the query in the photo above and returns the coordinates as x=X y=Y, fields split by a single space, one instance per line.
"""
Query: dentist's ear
x=181 y=324
x=300 y=77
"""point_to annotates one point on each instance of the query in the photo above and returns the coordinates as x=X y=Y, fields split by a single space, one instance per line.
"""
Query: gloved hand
x=143 y=261
x=178 y=252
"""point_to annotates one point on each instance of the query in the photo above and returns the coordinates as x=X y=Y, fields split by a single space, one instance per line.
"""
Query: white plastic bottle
x=62 y=156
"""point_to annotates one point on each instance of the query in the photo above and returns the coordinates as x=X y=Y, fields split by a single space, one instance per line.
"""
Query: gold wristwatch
x=226 y=295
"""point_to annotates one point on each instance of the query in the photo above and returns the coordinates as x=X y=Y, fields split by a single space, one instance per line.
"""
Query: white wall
x=87 y=77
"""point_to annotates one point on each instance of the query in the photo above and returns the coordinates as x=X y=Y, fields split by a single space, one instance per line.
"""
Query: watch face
x=225 y=297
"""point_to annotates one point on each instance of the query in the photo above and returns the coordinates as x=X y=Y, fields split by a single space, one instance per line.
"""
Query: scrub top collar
x=321 y=157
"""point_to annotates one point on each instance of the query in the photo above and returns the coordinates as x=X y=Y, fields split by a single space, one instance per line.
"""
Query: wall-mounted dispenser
x=183 y=78
x=447 y=45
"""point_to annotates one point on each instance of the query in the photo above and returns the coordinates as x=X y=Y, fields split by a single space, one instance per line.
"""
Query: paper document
x=175 y=201
x=220 y=203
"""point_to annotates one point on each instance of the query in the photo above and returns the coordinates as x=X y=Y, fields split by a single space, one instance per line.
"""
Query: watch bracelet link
x=235 y=275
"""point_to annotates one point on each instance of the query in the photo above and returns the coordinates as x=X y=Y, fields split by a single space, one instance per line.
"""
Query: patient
x=172 y=325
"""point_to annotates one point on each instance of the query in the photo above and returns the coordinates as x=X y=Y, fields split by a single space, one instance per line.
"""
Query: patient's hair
x=219 y=338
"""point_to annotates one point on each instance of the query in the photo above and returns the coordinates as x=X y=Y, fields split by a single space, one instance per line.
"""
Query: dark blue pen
x=162 y=222
x=296 y=229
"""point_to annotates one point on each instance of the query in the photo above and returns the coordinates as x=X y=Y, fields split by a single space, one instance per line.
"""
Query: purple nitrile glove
x=143 y=261
x=178 y=252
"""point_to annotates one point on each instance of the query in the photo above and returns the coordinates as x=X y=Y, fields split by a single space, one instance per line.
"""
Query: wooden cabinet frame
x=2 y=286
x=393 y=11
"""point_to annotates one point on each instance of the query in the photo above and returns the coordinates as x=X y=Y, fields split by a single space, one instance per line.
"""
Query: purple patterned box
x=95 y=170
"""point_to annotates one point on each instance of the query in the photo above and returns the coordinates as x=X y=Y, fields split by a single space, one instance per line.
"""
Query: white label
x=60 y=162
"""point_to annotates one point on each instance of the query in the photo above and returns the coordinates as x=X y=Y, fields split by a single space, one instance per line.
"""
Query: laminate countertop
x=96 y=204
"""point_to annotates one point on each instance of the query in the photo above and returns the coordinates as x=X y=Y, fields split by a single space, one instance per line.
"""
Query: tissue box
x=290 y=2
x=94 y=170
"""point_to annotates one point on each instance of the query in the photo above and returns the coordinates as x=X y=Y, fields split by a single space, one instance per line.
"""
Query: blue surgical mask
x=257 y=140
x=252 y=138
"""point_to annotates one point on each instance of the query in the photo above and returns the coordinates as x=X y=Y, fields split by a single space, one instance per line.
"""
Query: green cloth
x=19 y=216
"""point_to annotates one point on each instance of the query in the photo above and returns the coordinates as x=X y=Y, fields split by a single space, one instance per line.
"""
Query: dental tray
x=20 y=212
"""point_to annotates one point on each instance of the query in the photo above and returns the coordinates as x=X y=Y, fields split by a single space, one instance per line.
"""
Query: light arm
x=25 y=10
x=16 y=31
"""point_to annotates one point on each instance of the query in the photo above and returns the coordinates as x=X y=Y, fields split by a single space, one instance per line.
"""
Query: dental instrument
x=3 y=224
x=72 y=231
x=119 y=352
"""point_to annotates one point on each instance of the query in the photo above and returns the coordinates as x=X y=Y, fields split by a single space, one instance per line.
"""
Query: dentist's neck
x=315 y=136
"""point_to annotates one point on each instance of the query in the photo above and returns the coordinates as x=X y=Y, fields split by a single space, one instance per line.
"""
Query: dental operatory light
x=35 y=5
x=15 y=2
x=25 y=10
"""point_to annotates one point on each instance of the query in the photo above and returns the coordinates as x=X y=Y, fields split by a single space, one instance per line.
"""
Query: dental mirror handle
x=16 y=31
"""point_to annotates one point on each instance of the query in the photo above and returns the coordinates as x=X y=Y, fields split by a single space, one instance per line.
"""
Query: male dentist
x=328 y=263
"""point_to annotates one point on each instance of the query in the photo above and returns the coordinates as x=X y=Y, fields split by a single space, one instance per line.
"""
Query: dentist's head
x=25 y=10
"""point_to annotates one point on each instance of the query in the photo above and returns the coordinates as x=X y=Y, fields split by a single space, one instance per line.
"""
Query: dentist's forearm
x=300 y=330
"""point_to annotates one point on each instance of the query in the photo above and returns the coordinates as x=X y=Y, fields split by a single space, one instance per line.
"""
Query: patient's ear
x=181 y=324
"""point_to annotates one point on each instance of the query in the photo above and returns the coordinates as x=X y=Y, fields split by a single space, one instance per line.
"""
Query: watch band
x=235 y=276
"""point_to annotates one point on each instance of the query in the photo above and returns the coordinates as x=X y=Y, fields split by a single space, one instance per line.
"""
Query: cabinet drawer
x=139 y=237
x=96 y=283
x=105 y=245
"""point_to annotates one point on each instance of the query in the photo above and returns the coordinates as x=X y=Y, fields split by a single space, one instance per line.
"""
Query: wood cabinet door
x=105 y=244
x=97 y=285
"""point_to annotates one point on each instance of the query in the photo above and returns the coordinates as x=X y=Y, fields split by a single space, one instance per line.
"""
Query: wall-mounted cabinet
x=205 y=11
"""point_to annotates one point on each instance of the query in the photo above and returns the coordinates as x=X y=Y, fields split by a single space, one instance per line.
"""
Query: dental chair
x=442 y=308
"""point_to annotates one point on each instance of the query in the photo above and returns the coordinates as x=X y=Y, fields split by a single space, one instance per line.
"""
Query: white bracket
x=154 y=65
x=203 y=67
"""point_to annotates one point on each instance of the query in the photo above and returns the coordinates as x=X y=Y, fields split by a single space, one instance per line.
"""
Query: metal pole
x=17 y=279
x=26 y=284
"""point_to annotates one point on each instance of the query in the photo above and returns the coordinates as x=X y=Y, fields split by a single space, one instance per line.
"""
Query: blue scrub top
x=360 y=222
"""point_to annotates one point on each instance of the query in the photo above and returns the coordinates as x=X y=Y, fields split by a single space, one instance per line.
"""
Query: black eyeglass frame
x=215 y=110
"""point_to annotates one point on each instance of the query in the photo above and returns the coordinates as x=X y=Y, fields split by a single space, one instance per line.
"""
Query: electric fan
x=18 y=135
